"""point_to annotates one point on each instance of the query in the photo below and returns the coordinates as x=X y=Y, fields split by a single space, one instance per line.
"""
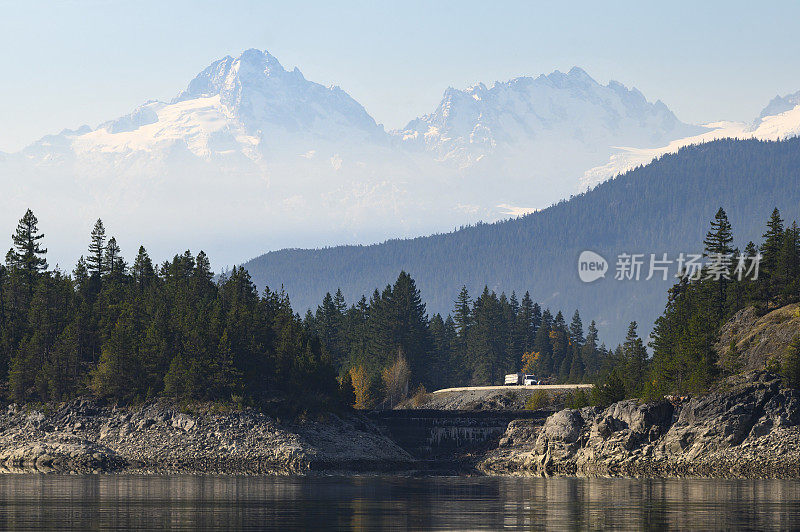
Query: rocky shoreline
x=157 y=438
x=749 y=428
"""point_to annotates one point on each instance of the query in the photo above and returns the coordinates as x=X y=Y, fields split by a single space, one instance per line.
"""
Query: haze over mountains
x=664 y=207
x=252 y=157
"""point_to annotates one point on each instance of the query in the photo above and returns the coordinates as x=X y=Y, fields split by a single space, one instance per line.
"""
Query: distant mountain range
x=252 y=157
x=664 y=207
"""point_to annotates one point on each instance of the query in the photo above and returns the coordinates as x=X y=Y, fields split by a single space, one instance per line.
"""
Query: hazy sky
x=69 y=63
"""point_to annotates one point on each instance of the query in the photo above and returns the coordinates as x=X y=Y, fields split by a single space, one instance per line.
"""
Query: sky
x=68 y=63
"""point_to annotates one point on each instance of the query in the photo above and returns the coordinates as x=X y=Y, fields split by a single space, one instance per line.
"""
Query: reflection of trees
x=365 y=502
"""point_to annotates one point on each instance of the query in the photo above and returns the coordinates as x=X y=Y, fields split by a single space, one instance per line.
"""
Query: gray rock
x=564 y=426
x=750 y=427
x=183 y=422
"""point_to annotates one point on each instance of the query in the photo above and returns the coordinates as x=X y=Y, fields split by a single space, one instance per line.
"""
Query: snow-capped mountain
x=252 y=156
x=474 y=123
x=260 y=93
x=245 y=105
x=249 y=151
x=522 y=143
x=778 y=105
x=779 y=120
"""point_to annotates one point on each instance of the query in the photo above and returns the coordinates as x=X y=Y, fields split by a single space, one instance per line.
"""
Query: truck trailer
x=521 y=379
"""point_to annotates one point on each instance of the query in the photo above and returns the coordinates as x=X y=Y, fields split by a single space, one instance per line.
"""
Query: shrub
x=538 y=399
x=420 y=396
x=577 y=399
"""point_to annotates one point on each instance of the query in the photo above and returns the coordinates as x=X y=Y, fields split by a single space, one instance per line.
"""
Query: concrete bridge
x=428 y=434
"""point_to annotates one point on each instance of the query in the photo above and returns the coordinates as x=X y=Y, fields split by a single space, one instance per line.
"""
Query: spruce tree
x=143 y=272
x=786 y=277
x=462 y=321
x=720 y=237
x=634 y=361
x=410 y=327
x=97 y=248
x=113 y=263
x=544 y=347
x=770 y=249
x=526 y=324
x=576 y=330
x=718 y=247
x=27 y=255
x=590 y=352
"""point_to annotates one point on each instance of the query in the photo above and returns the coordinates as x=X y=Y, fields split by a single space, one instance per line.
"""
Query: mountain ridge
x=662 y=207
x=272 y=160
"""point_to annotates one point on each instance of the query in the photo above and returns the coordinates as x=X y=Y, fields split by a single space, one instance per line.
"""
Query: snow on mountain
x=531 y=137
x=258 y=91
x=779 y=120
x=246 y=105
x=473 y=123
x=779 y=104
x=252 y=156
x=249 y=157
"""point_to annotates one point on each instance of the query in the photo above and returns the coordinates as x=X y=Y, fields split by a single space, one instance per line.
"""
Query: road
x=511 y=388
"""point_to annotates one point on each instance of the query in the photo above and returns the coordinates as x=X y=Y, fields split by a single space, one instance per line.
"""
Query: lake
x=370 y=502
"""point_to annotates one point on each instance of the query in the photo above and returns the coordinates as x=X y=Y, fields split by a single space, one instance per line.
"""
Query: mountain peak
x=577 y=72
x=474 y=123
x=576 y=77
x=256 y=89
x=256 y=57
x=250 y=68
x=779 y=104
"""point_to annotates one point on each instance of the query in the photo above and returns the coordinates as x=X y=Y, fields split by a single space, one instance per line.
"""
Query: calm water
x=192 y=502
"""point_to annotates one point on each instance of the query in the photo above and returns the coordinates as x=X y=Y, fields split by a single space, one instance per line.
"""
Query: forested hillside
x=687 y=357
x=136 y=331
x=131 y=332
x=660 y=208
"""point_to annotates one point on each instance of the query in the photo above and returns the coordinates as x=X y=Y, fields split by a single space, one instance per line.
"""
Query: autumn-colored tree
x=530 y=361
x=361 y=387
x=395 y=380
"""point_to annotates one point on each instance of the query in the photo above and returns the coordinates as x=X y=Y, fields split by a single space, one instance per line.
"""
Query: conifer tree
x=718 y=247
x=590 y=352
x=27 y=255
x=576 y=330
x=544 y=347
x=720 y=237
x=634 y=360
x=143 y=272
x=113 y=262
x=770 y=249
x=525 y=325
x=97 y=248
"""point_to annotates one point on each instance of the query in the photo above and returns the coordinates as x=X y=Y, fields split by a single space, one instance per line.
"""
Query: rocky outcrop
x=82 y=436
x=750 y=427
x=749 y=341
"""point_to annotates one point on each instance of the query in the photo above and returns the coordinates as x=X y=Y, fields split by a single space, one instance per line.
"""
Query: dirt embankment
x=509 y=398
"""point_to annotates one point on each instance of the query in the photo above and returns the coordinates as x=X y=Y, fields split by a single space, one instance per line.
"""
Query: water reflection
x=194 y=502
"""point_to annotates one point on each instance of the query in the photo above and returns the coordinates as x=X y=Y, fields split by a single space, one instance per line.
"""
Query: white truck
x=531 y=380
x=520 y=379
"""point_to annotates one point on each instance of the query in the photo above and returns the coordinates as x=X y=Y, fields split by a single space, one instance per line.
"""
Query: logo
x=591 y=266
